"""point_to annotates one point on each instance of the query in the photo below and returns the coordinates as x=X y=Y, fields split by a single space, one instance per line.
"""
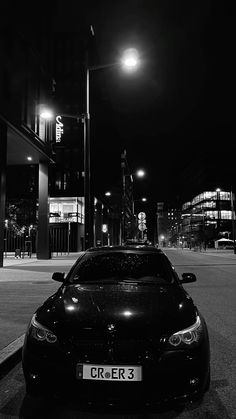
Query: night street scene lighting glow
x=140 y=173
x=46 y=114
x=117 y=129
x=130 y=59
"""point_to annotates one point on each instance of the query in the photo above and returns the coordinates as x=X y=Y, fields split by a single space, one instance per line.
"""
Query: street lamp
x=129 y=61
x=47 y=114
x=138 y=200
x=140 y=173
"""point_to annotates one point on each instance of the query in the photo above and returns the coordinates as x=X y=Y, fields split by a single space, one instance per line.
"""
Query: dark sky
x=178 y=105
x=177 y=108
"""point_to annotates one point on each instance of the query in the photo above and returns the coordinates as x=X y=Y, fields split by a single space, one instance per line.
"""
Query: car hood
x=79 y=310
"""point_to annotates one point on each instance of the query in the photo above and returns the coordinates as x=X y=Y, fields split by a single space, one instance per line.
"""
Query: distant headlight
x=40 y=332
x=186 y=337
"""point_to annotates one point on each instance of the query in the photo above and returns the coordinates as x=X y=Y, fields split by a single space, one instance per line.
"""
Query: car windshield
x=122 y=267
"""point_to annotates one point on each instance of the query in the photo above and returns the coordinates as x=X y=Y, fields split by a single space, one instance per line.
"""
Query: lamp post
x=139 y=173
x=203 y=228
x=88 y=213
x=129 y=62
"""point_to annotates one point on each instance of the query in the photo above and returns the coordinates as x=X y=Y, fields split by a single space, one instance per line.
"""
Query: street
x=214 y=293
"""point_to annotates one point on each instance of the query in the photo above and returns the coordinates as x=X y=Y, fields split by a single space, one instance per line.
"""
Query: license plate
x=108 y=372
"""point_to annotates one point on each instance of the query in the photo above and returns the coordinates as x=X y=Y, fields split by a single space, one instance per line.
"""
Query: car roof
x=133 y=247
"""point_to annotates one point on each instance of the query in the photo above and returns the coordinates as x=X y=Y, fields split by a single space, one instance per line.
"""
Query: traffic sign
x=141 y=216
x=142 y=227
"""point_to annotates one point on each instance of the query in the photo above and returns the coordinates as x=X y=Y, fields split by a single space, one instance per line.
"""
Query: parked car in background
x=121 y=328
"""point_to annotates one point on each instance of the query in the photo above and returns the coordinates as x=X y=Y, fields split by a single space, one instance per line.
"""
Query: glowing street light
x=140 y=173
x=130 y=62
x=130 y=59
x=137 y=200
x=46 y=114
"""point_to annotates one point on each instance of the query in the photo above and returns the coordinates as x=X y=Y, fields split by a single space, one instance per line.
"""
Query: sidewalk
x=10 y=260
x=208 y=251
x=24 y=284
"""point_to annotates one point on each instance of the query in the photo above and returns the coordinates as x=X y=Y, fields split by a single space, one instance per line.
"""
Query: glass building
x=207 y=218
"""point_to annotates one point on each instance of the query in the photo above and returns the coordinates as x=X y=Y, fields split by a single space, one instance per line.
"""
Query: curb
x=11 y=355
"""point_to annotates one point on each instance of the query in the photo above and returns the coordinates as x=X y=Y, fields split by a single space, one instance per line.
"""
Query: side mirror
x=58 y=276
x=188 y=277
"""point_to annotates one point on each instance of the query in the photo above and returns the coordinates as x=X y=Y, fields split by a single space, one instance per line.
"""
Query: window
x=226 y=215
x=118 y=266
x=211 y=214
x=186 y=205
x=210 y=204
x=225 y=196
x=67 y=209
x=209 y=195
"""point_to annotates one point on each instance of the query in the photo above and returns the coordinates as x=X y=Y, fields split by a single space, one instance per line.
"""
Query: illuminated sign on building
x=59 y=129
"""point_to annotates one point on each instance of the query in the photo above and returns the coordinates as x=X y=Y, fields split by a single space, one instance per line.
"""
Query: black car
x=120 y=328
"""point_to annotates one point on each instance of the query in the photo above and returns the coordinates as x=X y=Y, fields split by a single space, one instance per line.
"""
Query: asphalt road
x=215 y=295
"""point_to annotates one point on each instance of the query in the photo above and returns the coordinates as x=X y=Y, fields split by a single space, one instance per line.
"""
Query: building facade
x=25 y=138
x=207 y=218
x=168 y=224
x=67 y=224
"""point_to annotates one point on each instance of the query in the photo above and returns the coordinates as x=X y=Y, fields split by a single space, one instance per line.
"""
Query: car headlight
x=187 y=337
x=40 y=332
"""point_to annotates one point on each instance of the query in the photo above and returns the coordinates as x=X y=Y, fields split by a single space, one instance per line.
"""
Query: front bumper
x=171 y=376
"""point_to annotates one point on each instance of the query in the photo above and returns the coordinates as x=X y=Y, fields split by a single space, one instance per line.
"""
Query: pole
x=134 y=221
x=157 y=227
x=88 y=213
x=233 y=219
x=123 y=197
x=203 y=228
